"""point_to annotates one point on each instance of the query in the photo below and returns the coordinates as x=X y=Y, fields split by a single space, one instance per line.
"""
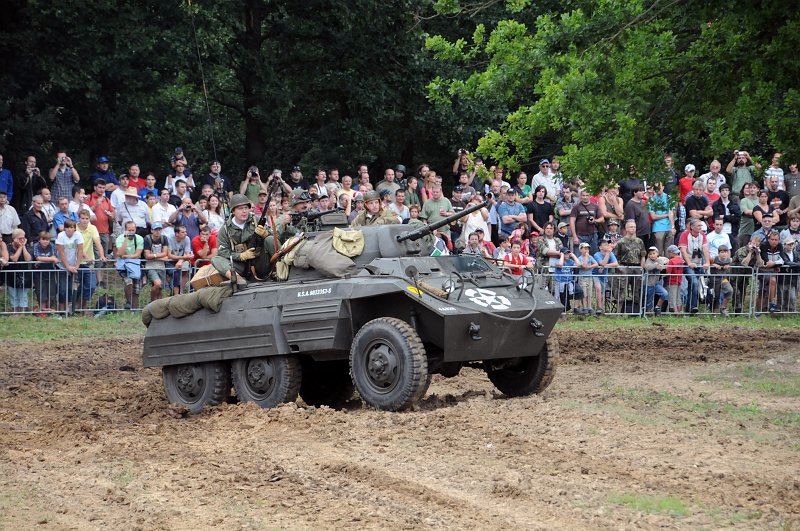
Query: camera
x=490 y=195
x=590 y=219
x=462 y=151
x=130 y=236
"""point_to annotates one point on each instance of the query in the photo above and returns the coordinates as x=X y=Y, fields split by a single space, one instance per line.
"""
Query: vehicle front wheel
x=268 y=381
x=195 y=385
x=388 y=364
x=525 y=376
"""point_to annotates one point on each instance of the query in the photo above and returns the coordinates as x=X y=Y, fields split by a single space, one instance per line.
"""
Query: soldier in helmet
x=235 y=242
x=374 y=213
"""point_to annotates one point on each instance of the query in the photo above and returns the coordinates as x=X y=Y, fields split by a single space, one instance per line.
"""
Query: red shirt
x=521 y=259
x=138 y=183
x=674 y=271
x=685 y=187
x=712 y=197
x=99 y=205
x=197 y=245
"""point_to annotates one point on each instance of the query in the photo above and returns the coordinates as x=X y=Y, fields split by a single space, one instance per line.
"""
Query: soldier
x=235 y=245
x=373 y=213
x=631 y=253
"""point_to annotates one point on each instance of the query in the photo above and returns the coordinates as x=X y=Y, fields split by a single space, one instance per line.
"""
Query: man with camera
x=694 y=250
x=133 y=210
x=584 y=221
x=742 y=170
x=189 y=216
x=29 y=184
x=219 y=183
x=252 y=186
x=63 y=176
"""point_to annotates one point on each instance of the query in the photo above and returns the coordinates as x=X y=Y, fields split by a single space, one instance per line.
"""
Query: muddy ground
x=640 y=429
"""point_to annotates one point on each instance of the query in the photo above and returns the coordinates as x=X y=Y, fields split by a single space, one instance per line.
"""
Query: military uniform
x=383 y=217
x=232 y=241
x=629 y=252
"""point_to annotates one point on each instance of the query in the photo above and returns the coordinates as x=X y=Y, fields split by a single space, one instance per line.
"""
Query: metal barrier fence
x=625 y=291
x=33 y=288
x=631 y=291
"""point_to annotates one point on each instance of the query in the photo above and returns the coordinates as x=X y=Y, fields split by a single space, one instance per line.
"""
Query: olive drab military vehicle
x=383 y=330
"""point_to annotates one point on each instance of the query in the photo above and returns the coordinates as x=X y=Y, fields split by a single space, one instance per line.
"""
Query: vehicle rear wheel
x=268 y=381
x=195 y=385
x=326 y=383
x=525 y=376
x=388 y=364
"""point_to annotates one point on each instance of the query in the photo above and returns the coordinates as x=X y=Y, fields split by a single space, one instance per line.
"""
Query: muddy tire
x=196 y=385
x=326 y=383
x=526 y=376
x=388 y=364
x=267 y=381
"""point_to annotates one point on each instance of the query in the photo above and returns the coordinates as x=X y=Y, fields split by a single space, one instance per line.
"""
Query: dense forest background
x=606 y=84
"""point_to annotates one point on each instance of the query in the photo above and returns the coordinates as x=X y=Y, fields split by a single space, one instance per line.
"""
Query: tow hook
x=537 y=325
x=475 y=332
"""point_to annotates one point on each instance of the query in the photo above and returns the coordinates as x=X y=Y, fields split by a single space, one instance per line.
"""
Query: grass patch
x=709 y=408
x=27 y=328
x=124 y=477
x=759 y=378
x=651 y=504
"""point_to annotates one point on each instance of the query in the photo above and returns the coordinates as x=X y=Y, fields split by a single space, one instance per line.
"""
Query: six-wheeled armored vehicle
x=398 y=317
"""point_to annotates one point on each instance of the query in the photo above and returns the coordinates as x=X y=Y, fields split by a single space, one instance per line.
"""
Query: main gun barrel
x=416 y=234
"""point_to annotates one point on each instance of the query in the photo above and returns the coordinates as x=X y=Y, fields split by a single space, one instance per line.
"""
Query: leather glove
x=248 y=254
x=261 y=231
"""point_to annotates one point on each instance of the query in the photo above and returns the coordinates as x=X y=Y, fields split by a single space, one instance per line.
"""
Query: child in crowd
x=563 y=234
x=517 y=258
x=503 y=250
x=565 y=280
x=586 y=265
x=521 y=234
x=69 y=248
x=721 y=282
x=605 y=258
x=44 y=279
x=674 y=278
x=613 y=235
x=653 y=267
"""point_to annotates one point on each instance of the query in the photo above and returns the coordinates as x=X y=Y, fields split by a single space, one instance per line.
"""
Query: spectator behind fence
x=694 y=249
x=19 y=283
x=717 y=238
x=787 y=296
x=697 y=204
x=34 y=220
x=586 y=265
x=180 y=252
x=9 y=220
x=204 y=246
x=104 y=213
x=745 y=260
x=721 y=285
x=128 y=250
x=675 y=268
x=69 y=245
x=772 y=255
x=584 y=221
x=565 y=280
x=44 y=277
x=631 y=252
x=63 y=176
x=637 y=210
x=778 y=200
x=742 y=170
x=727 y=208
x=793 y=230
x=605 y=259
x=87 y=280
x=663 y=219
x=156 y=252
x=656 y=296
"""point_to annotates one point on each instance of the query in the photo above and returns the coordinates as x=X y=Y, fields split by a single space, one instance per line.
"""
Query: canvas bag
x=350 y=243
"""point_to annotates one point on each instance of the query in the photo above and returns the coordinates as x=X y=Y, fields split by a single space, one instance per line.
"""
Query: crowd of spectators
x=671 y=243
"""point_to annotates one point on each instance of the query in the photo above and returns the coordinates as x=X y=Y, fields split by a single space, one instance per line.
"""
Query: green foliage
x=614 y=84
x=651 y=504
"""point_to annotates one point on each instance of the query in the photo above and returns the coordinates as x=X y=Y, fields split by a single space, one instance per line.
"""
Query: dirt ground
x=640 y=429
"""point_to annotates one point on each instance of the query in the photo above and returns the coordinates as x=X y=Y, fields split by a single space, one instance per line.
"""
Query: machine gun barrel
x=416 y=234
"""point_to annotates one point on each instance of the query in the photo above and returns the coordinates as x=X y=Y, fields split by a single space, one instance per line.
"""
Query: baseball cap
x=673 y=249
x=544 y=161
x=724 y=247
x=582 y=245
x=102 y=159
x=788 y=241
x=156 y=225
x=689 y=167
x=613 y=221
x=505 y=185
x=383 y=193
x=564 y=249
x=178 y=150
x=478 y=229
x=295 y=168
x=652 y=248
x=562 y=224
x=458 y=188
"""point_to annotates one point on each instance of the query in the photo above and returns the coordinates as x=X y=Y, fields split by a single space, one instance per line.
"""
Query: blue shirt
x=59 y=218
x=602 y=272
x=7 y=183
x=506 y=209
x=586 y=272
x=564 y=273
x=658 y=205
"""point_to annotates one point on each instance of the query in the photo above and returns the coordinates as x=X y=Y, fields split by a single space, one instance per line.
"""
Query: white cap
x=689 y=167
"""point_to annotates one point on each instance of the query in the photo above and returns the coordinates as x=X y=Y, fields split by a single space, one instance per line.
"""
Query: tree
x=615 y=84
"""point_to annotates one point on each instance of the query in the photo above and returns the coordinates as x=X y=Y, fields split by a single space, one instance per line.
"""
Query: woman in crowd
x=610 y=204
x=413 y=195
x=214 y=213
x=540 y=212
x=478 y=219
x=763 y=208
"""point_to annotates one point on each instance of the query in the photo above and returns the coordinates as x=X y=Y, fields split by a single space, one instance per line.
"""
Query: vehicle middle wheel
x=388 y=364
x=268 y=381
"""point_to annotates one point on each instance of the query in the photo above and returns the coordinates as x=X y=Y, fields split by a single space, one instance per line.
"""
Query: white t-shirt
x=70 y=245
x=162 y=214
x=714 y=240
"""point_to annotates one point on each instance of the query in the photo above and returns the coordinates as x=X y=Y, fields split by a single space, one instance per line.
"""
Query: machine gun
x=423 y=231
x=304 y=219
x=255 y=241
